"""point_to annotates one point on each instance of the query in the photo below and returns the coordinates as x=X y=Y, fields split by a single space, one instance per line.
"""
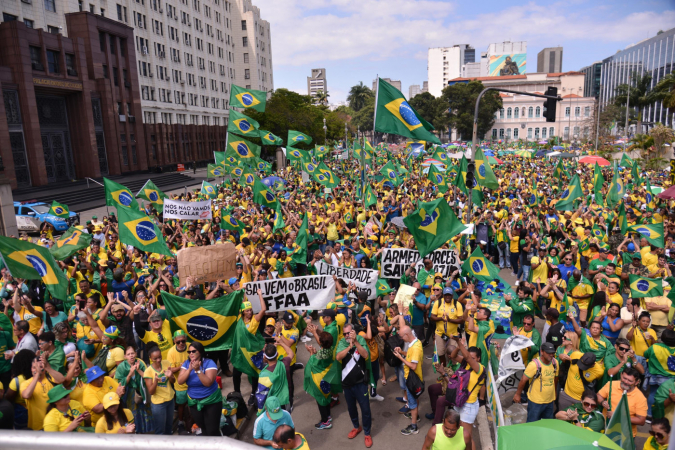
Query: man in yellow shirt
x=98 y=385
x=581 y=364
x=176 y=356
x=542 y=373
x=412 y=362
x=448 y=314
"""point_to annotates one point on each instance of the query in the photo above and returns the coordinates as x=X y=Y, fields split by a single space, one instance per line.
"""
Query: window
x=8 y=17
x=245 y=41
x=101 y=41
x=577 y=111
x=501 y=133
x=551 y=132
x=543 y=133
x=537 y=112
x=530 y=112
x=508 y=111
x=587 y=111
x=120 y=16
x=515 y=133
x=494 y=133
x=50 y=5
x=105 y=71
x=516 y=113
x=116 y=74
x=243 y=25
x=53 y=61
x=501 y=113
x=529 y=133
x=113 y=47
x=246 y=58
x=102 y=12
x=70 y=65
x=91 y=8
x=567 y=111
x=536 y=133
x=35 y=58
x=53 y=30
x=247 y=74
x=575 y=133
x=566 y=132
x=508 y=133
x=29 y=23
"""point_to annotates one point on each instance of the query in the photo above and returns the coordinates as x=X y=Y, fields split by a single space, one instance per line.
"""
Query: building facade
x=395 y=83
x=317 y=82
x=549 y=60
x=592 y=80
x=504 y=58
x=445 y=63
x=521 y=116
x=413 y=90
x=653 y=56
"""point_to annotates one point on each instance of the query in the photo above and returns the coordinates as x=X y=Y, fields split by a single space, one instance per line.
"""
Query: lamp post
x=346 y=137
x=325 y=129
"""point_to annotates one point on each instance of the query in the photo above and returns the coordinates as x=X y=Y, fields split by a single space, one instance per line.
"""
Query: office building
x=317 y=82
x=521 y=115
x=549 y=60
x=445 y=63
x=414 y=90
x=425 y=86
x=395 y=83
x=471 y=70
x=592 y=80
x=654 y=56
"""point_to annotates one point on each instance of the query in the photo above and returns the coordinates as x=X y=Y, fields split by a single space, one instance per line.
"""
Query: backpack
x=101 y=359
x=236 y=397
x=390 y=344
x=537 y=374
x=414 y=384
x=457 y=392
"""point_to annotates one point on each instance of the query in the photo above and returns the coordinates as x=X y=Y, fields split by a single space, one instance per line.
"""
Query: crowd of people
x=104 y=359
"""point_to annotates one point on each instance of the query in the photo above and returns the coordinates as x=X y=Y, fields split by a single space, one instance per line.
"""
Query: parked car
x=30 y=215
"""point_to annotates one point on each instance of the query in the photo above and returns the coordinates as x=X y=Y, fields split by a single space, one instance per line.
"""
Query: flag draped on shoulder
x=138 y=230
x=118 y=195
x=247 y=98
x=479 y=267
x=210 y=322
x=59 y=210
x=484 y=174
x=432 y=225
x=247 y=349
x=242 y=124
x=32 y=262
x=71 y=242
x=394 y=115
x=151 y=193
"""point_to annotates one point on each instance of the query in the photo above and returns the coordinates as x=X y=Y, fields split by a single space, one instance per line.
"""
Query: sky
x=357 y=40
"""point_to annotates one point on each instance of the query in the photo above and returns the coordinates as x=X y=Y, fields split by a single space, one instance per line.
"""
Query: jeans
x=526 y=271
x=504 y=256
x=401 y=377
x=536 y=411
x=375 y=367
x=515 y=258
x=412 y=401
x=438 y=402
x=162 y=417
x=354 y=394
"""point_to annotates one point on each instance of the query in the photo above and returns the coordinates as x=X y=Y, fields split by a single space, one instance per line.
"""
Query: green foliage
x=666 y=90
x=364 y=116
x=358 y=95
x=641 y=95
x=461 y=98
x=433 y=110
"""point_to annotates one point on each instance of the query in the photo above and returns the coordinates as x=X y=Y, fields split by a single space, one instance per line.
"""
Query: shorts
x=441 y=345
x=412 y=401
x=181 y=397
x=468 y=412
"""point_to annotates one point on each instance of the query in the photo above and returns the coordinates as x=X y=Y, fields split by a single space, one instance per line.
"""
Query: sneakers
x=290 y=409
x=330 y=419
x=369 y=442
x=408 y=415
x=378 y=398
x=180 y=428
x=429 y=357
x=305 y=339
x=429 y=416
x=401 y=399
x=196 y=430
x=323 y=426
x=334 y=402
x=297 y=366
x=404 y=410
x=251 y=400
x=648 y=419
x=355 y=431
x=410 y=429
x=425 y=344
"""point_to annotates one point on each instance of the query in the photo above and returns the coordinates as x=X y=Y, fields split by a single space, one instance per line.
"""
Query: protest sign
x=364 y=279
x=395 y=261
x=404 y=298
x=207 y=263
x=511 y=360
x=310 y=292
x=176 y=209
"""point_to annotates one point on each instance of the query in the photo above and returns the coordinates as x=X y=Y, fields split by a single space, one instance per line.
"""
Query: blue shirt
x=565 y=271
x=264 y=428
x=418 y=314
x=196 y=388
x=119 y=286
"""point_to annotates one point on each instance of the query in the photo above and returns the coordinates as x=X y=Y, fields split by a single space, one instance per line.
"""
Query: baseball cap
x=327 y=313
x=273 y=407
x=548 y=347
x=179 y=333
x=438 y=275
x=271 y=322
x=542 y=247
x=246 y=305
x=231 y=281
x=448 y=290
x=110 y=399
x=288 y=317
x=117 y=307
x=586 y=361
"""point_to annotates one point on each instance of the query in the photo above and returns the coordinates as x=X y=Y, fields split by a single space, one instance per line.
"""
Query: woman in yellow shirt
x=641 y=337
x=660 y=435
x=64 y=414
x=115 y=420
x=158 y=378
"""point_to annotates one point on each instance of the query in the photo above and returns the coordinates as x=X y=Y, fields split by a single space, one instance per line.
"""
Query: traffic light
x=550 y=104
x=470 y=175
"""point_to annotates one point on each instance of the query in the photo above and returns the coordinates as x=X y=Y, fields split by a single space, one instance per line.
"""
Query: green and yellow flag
x=151 y=193
x=389 y=172
x=479 y=267
x=296 y=137
x=216 y=170
x=653 y=232
x=569 y=195
x=247 y=98
x=598 y=182
x=263 y=195
x=626 y=161
x=138 y=230
x=382 y=287
x=236 y=171
x=432 y=225
x=326 y=176
x=616 y=190
x=229 y=222
x=247 y=350
x=59 y=210
x=371 y=198
x=118 y=195
x=645 y=287
x=484 y=174
x=219 y=158
x=209 y=190
x=297 y=155
x=622 y=221
x=299 y=255
x=649 y=195
x=438 y=178
x=240 y=148
x=441 y=155
x=242 y=124
x=33 y=262
x=269 y=138
x=279 y=223
x=71 y=242
x=210 y=323
x=619 y=428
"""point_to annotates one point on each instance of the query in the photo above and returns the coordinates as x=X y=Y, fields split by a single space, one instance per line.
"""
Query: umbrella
x=523 y=154
x=540 y=153
x=668 y=193
x=593 y=160
x=558 y=147
x=428 y=162
x=489 y=153
x=548 y=434
x=398 y=221
x=657 y=189
x=493 y=160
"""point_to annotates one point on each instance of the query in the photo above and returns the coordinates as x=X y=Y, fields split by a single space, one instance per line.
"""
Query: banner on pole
x=176 y=209
x=395 y=261
x=310 y=292
x=364 y=279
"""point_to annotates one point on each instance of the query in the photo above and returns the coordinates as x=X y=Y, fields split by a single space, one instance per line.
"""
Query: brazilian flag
x=278 y=219
x=247 y=349
x=219 y=158
x=371 y=198
x=382 y=287
x=151 y=193
x=211 y=323
x=645 y=287
x=71 y=242
x=652 y=232
x=242 y=124
x=616 y=191
x=569 y=195
x=240 y=149
x=322 y=376
x=460 y=179
x=438 y=178
x=263 y=195
x=441 y=155
x=262 y=166
x=626 y=161
x=209 y=190
x=622 y=221
x=247 y=98
x=216 y=170
x=389 y=172
x=330 y=180
x=136 y=229
x=598 y=182
x=237 y=171
x=269 y=138
x=484 y=174
x=619 y=428
x=598 y=233
x=309 y=167
x=649 y=195
x=32 y=262
x=297 y=155
x=229 y=222
x=118 y=195
x=299 y=255
x=560 y=170
x=59 y=210
x=432 y=225
x=479 y=267
x=296 y=137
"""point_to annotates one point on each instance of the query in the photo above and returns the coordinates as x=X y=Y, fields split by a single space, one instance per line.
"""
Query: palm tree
x=358 y=95
x=641 y=96
x=666 y=90
x=642 y=142
x=321 y=97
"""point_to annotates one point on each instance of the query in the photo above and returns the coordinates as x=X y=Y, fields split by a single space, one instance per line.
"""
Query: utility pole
x=627 y=106
x=597 y=126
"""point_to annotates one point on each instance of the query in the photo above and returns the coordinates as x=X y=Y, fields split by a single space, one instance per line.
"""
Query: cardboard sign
x=208 y=263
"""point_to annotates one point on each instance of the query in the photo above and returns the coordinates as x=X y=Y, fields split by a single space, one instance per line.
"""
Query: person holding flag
x=620 y=397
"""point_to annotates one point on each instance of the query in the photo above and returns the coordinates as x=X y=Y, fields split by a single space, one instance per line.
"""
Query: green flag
x=279 y=223
x=247 y=98
x=569 y=195
x=649 y=195
x=438 y=178
x=269 y=138
x=394 y=115
x=432 y=225
x=484 y=174
x=560 y=170
x=382 y=287
x=441 y=155
x=71 y=242
x=653 y=232
x=209 y=190
x=151 y=193
x=295 y=137
x=241 y=149
x=242 y=124
x=626 y=161
x=216 y=170
x=219 y=158
x=263 y=195
x=247 y=355
x=32 y=262
x=136 y=229
x=229 y=222
x=299 y=255
x=371 y=198
x=59 y=210
x=645 y=287
x=118 y=195
x=211 y=322
x=479 y=267
x=598 y=182
x=389 y=172
x=622 y=221
x=297 y=155
x=330 y=180
x=619 y=428
x=323 y=376
x=616 y=191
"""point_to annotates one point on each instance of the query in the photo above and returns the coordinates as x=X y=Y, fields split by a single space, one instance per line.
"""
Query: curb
x=484 y=432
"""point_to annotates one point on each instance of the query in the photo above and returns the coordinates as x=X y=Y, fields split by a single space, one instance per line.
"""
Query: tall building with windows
x=549 y=60
x=592 y=80
x=317 y=82
x=445 y=63
x=395 y=83
x=413 y=90
x=253 y=48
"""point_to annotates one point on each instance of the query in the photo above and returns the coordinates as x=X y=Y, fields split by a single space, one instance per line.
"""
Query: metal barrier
x=38 y=440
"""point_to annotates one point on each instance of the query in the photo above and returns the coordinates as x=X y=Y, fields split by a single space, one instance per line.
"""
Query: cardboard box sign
x=209 y=263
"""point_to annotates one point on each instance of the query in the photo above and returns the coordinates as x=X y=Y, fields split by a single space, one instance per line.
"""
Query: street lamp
x=346 y=137
x=325 y=129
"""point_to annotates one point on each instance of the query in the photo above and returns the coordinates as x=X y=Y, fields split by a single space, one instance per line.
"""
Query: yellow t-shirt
x=639 y=342
x=292 y=335
x=102 y=425
x=165 y=343
x=542 y=390
x=574 y=387
x=582 y=290
x=115 y=355
x=615 y=298
x=648 y=258
x=540 y=272
x=473 y=379
x=93 y=395
x=37 y=404
x=176 y=359
x=415 y=354
x=34 y=321
x=453 y=312
x=15 y=385
x=55 y=420
x=164 y=392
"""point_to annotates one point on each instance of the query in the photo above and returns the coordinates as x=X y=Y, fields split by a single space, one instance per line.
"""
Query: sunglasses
x=624 y=349
x=436 y=289
x=180 y=342
x=656 y=435
x=590 y=405
x=192 y=351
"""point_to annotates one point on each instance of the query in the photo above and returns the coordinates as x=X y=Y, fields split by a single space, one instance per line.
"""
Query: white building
x=189 y=52
x=493 y=61
x=395 y=83
x=317 y=82
x=521 y=116
x=445 y=63
x=414 y=90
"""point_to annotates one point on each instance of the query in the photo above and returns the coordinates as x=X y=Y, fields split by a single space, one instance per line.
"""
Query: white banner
x=364 y=279
x=175 y=209
x=395 y=261
x=511 y=360
x=310 y=292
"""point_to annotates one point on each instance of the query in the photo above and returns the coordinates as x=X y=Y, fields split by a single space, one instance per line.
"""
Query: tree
x=641 y=96
x=666 y=90
x=433 y=110
x=322 y=98
x=661 y=135
x=461 y=98
x=358 y=95
x=364 y=116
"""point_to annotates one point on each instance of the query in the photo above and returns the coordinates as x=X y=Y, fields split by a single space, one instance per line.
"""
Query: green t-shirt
x=596 y=263
x=57 y=360
x=6 y=343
